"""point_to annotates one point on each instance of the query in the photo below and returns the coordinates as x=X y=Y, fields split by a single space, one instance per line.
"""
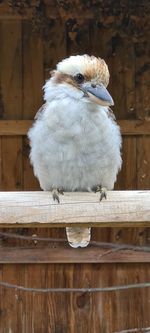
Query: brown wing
x=40 y=111
x=111 y=114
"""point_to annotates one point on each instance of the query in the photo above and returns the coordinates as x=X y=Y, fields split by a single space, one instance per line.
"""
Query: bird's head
x=86 y=74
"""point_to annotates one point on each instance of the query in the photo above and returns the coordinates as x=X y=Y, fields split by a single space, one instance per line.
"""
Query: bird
x=75 y=141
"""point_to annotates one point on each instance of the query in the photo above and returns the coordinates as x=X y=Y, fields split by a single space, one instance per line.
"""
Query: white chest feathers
x=75 y=145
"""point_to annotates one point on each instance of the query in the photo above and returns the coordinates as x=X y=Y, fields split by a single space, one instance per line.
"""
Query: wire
x=136 y=330
x=33 y=237
x=63 y=240
x=68 y=290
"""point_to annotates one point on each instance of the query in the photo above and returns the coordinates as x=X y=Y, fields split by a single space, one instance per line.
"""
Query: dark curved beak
x=100 y=92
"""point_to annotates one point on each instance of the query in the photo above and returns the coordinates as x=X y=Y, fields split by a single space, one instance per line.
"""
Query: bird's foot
x=55 y=194
x=103 y=192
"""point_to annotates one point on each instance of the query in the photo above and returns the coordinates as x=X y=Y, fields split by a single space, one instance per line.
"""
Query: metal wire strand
x=63 y=240
x=135 y=330
x=68 y=290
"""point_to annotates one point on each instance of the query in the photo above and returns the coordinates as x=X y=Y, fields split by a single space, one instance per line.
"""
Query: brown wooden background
x=34 y=36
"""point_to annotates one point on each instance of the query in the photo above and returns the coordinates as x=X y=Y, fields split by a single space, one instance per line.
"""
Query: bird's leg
x=56 y=192
x=103 y=192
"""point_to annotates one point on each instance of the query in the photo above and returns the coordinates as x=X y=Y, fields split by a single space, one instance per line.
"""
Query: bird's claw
x=55 y=194
x=60 y=190
x=103 y=192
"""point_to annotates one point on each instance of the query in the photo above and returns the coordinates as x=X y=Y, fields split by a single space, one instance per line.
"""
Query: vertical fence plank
x=129 y=77
x=54 y=46
x=143 y=175
x=142 y=77
x=35 y=303
x=11 y=68
x=9 y=320
x=127 y=177
x=143 y=162
x=11 y=163
x=77 y=35
x=11 y=91
x=117 y=77
x=56 y=309
x=32 y=92
x=81 y=303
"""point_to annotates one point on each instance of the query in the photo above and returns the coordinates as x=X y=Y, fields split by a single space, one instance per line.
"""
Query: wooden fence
x=67 y=295
x=34 y=36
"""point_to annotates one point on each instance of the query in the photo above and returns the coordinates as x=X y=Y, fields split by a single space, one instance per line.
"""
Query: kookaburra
x=75 y=142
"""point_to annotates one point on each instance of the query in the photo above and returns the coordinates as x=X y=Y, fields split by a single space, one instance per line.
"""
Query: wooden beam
x=68 y=255
x=37 y=209
x=134 y=127
x=15 y=127
x=128 y=127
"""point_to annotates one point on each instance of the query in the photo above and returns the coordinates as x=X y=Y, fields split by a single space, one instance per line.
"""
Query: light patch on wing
x=40 y=111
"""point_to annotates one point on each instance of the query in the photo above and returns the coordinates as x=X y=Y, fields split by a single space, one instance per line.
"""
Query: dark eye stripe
x=79 y=78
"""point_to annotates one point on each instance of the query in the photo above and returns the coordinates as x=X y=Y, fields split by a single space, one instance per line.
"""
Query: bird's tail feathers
x=78 y=237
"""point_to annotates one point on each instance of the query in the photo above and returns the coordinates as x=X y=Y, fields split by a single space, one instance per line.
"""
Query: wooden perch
x=37 y=209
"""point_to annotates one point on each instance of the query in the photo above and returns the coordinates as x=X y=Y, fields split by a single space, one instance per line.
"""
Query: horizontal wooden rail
x=68 y=255
x=37 y=209
x=128 y=127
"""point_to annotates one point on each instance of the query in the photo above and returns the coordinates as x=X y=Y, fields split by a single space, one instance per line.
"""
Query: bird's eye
x=79 y=78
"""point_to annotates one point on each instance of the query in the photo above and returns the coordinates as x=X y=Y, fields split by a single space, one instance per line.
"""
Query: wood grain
x=11 y=91
x=45 y=255
x=11 y=163
x=129 y=79
x=143 y=162
x=11 y=69
x=127 y=177
x=32 y=92
x=122 y=208
x=54 y=46
x=128 y=127
x=119 y=36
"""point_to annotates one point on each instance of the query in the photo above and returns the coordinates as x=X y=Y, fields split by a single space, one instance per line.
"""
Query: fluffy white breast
x=74 y=144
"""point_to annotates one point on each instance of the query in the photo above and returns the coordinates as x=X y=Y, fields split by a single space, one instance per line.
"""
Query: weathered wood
x=129 y=78
x=143 y=162
x=68 y=255
x=11 y=94
x=61 y=310
x=142 y=79
x=143 y=171
x=14 y=127
x=11 y=69
x=117 y=76
x=32 y=92
x=122 y=208
x=54 y=46
x=128 y=127
x=11 y=163
x=127 y=177
x=120 y=35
